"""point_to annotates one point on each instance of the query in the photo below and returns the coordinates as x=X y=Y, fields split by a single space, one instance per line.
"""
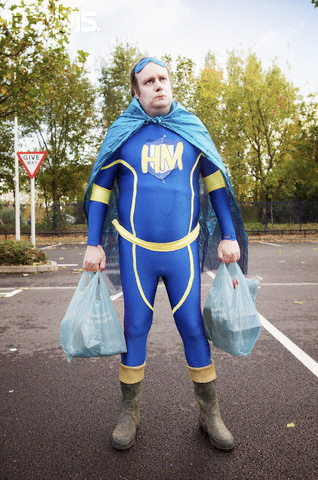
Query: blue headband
x=144 y=62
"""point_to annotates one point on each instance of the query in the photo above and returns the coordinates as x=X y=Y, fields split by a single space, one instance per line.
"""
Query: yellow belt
x=157 y=247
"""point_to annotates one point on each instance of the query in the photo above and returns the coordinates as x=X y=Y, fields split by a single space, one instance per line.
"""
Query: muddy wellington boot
x=124 y=435
x=210 y=417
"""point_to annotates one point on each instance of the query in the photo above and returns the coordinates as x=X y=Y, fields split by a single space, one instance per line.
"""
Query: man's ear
x=136 y=94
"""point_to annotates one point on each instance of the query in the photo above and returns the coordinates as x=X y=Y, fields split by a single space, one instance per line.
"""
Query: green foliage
x=303 y=169
x=27 y=31
x=183 y=79
x=258 y=114
x=14 y=252
x=6 y=156
x=64 y=121
x=115 y=80
x=7 y=215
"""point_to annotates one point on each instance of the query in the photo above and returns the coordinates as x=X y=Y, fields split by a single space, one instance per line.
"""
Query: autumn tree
x=6 y=156
x=115 y=80
x=27 y=31
x=303 y=169
x=183 y=76
x=261 y=117
x=64 y=123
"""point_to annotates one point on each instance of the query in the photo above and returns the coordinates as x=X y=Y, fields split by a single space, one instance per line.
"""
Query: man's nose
x=158 y=85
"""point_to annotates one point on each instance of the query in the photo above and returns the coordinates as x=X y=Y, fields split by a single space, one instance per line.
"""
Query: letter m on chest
x=159 y=159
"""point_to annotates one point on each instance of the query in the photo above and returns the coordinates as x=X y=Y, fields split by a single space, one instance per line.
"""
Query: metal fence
x=259 y=218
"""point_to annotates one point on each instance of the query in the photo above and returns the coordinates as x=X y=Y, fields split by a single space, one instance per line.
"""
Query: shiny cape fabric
x=188 y=126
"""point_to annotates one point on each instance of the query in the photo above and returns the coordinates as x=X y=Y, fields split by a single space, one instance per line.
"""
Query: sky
x=282 y=29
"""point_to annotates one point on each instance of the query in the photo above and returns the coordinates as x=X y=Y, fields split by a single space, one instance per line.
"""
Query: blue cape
x=188 y=126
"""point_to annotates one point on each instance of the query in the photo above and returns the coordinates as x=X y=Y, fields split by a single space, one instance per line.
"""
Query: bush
x=13 y=252
x=7 y=216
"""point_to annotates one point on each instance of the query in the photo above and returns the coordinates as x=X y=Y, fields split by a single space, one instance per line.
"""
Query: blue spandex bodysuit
x=158 y=176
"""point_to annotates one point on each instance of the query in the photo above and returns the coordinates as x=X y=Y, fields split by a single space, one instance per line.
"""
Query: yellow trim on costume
x=155 y=246
x=143 y=296
x=186 y=293
x=192 y=190
x=214 y=181
x=100 y=194
x=131 y=375
x=133 y=203
x=190 y=282
x=203 y=374
x=132 y=212
x=159 y=247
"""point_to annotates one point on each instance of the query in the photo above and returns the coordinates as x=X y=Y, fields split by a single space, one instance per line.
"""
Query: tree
x=303 y=169
x=208 y=98
x=6 y=156
x=210 y=106
x=26 y=32
x=115 y=81
x=64 y=124
x=260 y=113
x=183 y=79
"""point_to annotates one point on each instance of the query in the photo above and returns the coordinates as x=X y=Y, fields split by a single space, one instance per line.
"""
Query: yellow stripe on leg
x=186 y=293
x=131 y=375
x=203 y=374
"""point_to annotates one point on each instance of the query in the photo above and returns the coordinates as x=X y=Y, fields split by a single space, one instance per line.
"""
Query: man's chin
x=162 y=108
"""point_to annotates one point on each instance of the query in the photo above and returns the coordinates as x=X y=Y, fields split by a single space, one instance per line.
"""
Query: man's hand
x=94 y=259
x=229 y=251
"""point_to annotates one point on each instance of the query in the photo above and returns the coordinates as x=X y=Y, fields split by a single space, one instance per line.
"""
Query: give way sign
x=31 y=161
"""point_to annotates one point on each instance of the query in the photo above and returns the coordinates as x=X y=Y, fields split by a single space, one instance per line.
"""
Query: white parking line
x=291 y=346
x=51 y=246
x=67 y=264
x=11 y=294
x=117 y=295
x=211 y=274
x=272 y=244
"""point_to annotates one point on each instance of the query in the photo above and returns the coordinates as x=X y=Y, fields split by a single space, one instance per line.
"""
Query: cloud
x=273 y=38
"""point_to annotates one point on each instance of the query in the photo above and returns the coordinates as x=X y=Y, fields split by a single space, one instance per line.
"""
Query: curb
x=48 y=267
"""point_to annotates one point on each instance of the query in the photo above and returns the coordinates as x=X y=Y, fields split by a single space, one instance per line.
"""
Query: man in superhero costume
x=157 y=151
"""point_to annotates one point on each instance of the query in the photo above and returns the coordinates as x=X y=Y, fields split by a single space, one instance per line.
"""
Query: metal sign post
x=32 y=213
x=31 y=162
x=16 y=180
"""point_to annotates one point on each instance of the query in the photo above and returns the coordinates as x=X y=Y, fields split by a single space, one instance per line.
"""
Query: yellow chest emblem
x=160 y=159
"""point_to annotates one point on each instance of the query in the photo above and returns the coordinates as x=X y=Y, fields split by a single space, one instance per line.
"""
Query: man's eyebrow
x=152 y=77
x=149 y=78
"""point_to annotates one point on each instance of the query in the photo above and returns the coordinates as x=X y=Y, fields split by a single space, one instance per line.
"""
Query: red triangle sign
x=31 y=161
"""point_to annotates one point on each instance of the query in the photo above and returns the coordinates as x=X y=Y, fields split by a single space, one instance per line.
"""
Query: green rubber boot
x=210 y=417
x=124 y=435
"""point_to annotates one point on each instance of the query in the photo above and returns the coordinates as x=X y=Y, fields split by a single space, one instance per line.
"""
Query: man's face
x=155 y=91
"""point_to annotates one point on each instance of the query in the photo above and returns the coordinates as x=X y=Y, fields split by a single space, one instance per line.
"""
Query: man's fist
x=94 y=259
x=229 y=251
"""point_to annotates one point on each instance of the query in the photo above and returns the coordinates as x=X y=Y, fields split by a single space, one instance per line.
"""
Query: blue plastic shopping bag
x=230 y=317
x=90 y=327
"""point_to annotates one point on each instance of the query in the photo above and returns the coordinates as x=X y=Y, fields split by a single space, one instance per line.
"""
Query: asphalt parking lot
x=57 y=418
